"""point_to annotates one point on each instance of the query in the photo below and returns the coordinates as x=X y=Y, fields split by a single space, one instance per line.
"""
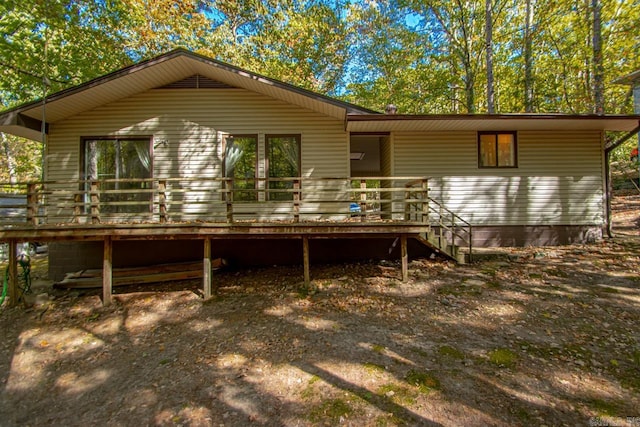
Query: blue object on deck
x=354 y=207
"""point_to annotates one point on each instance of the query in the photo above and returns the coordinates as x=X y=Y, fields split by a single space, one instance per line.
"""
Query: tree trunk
x=598 y=67
x=528 y=58
x=92 y=160
x=11 y=160
x=469 y=90
x=488 y=28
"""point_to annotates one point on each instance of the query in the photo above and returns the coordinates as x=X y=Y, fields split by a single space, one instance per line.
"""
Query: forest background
x=424 y=56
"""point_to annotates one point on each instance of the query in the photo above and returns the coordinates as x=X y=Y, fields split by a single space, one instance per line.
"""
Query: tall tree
x=9 y=158
x=488 y=29
x=528 y=56
x=598 y=67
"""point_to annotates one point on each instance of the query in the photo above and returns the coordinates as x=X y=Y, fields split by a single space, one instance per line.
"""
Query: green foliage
x=424 y=57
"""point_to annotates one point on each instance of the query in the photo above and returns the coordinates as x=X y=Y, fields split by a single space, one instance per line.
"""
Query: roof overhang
x=489 y=122
x=157 y=72
x=629 y=79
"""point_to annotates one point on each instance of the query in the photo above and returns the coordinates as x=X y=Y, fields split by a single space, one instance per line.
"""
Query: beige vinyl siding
x=187 y=127
x=558 y=181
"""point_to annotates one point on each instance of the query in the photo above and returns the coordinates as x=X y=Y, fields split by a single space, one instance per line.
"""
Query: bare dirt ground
x=535 y=336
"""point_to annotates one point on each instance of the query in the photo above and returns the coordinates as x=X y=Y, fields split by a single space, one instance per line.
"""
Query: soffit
x=512 y=122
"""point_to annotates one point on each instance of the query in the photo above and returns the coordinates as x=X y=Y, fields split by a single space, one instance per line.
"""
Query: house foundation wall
x=543 y=235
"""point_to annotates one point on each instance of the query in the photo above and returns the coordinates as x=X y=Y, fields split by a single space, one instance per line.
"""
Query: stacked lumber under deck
x=92 y=278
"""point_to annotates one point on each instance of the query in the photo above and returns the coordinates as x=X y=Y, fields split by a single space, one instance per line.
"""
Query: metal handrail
x=456 y=221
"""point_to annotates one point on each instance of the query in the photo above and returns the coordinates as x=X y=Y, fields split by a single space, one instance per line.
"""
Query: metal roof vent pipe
x=390 y=109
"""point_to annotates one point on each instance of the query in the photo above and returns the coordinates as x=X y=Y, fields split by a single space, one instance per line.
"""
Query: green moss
x=609 y=408
x=503 y=357
x=425 y=381
x=309 y=391
x=451 y=352
x=378 y=348
x=330 y=411
x=397 y=393
x=373 y=368
x=459 y=290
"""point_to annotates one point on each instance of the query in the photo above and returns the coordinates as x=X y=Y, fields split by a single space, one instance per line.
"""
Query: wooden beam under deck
x=13 y=274
x=404 y=257
x=107 y=272
x=185 y=231
x=305 y=259
x=206 y=269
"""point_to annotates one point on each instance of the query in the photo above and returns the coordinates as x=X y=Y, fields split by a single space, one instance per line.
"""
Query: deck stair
x=445 y=231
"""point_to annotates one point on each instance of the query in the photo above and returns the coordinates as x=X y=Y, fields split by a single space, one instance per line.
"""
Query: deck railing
x=204 y=199
x=225 y=200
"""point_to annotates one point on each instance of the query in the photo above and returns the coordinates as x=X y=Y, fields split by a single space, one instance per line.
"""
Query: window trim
x=255 y=166
x=497 y=165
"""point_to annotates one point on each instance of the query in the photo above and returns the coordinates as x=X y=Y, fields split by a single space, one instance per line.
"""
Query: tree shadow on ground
x=353 y=348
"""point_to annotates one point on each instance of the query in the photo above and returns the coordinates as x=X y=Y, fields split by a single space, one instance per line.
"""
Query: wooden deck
x=205 y=210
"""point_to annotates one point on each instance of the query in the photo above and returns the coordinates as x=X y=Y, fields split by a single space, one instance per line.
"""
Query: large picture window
x=497 y=150
x=240 y=164
x=283 y=157
x=122 y=162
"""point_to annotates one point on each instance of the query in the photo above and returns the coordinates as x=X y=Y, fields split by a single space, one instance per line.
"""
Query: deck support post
x=107 y=271
x=404 y=257
x=305 y=259
x=13 y=274
x=206 y=265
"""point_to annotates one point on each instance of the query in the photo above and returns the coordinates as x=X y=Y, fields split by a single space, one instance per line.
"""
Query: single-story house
x=159 y=159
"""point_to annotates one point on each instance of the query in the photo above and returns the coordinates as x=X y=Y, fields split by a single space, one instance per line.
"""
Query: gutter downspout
x=607 y=172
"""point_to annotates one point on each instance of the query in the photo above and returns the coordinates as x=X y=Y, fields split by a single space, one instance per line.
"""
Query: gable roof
x=176 y=65
x=629 y=79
